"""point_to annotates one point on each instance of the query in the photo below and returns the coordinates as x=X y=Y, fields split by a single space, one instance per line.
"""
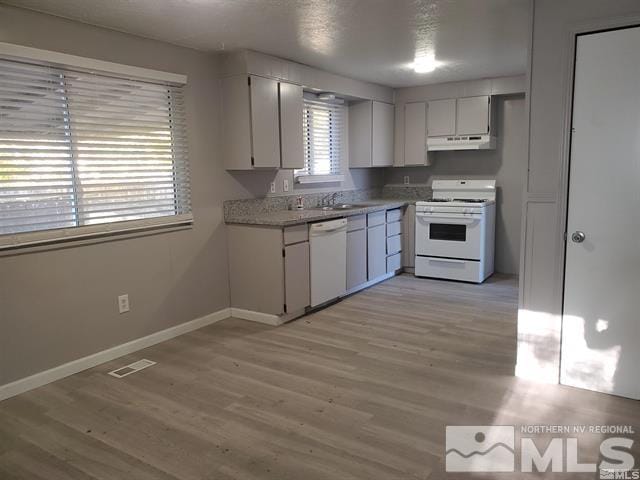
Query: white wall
x=59 y=304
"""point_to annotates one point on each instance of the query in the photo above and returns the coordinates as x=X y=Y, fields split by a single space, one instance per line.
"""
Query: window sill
x=319 y=178
x=12 y=244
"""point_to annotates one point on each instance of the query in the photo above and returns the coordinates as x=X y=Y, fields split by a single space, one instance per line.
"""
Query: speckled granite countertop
x=285 y=218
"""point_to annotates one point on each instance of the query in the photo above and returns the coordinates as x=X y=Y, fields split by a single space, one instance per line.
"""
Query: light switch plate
x=285 y=185
x=272 y=187
x=406 y=179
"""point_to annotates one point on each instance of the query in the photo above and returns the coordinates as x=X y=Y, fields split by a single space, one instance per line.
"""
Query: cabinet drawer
x=394 y=228
x=393 y=263
x=394 y=244
x=394 y=215
x=296 y=234
x=356 y=222
x=375 y=219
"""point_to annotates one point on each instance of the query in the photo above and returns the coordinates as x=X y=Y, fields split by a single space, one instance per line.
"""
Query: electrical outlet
x=406 y=179
x=123 y=303
x=272 y=187
x=285 y=185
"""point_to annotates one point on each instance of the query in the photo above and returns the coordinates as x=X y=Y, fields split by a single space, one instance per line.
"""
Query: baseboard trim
x=42 y=378
x=266 y=318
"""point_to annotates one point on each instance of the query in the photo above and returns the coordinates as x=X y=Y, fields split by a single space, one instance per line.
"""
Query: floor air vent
x=131 y=368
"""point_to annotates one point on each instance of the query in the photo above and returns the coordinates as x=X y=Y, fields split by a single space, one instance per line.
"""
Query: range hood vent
x=461 y=142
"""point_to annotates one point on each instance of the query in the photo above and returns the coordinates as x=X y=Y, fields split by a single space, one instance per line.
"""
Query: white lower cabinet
x=408 y=239
x=356 y=258
x=270 y=268
x=394 y=262
x=296 y=277
x=394 y=244
x=376 y=252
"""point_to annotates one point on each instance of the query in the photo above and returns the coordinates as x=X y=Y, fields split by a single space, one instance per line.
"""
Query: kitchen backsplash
x=407 y=192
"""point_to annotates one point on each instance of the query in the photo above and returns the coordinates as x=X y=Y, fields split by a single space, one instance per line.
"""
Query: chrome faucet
x=329 y=199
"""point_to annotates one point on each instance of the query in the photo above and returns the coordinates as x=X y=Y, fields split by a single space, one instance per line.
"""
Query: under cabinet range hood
x=461 y=142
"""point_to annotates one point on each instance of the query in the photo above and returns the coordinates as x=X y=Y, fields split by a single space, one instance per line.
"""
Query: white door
x=601 y=321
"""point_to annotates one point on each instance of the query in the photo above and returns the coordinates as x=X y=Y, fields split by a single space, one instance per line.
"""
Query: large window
x=323 y=129
x=80 y=149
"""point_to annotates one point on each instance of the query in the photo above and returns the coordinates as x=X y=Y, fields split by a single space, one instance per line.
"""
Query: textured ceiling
x=372 y=40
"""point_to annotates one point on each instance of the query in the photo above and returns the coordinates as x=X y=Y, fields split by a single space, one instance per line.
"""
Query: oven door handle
x=446 y=260
x=453 y=220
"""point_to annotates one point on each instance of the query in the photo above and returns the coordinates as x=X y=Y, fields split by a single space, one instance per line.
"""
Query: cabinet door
x=382 y=135
x=376 y=252
x=441 y=117
x=297 y=290
x=265 y=125
x=473 y=115
x=398 y=136
x=356 y=258
x=408 y=246
x=415 y=133
x=236 y=123
x=360 y=134
x=291 y=136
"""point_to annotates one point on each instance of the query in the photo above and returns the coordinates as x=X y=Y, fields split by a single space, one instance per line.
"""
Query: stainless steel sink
x=344 y=206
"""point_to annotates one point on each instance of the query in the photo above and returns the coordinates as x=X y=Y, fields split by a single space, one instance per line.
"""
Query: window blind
x=323 y=129
x=81 y=149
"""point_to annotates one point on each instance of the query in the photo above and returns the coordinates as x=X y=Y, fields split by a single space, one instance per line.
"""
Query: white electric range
x=455 y=231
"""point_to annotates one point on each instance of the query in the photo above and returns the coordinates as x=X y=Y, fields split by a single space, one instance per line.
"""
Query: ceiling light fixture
x=425 y=63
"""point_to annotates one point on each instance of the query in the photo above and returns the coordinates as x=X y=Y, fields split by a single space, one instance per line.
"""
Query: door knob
x=578 y=237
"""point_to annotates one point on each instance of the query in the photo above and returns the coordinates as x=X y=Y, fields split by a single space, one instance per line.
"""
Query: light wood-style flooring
x=360 y=390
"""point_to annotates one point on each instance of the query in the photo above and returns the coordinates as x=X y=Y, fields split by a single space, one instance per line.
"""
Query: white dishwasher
x=328 y=244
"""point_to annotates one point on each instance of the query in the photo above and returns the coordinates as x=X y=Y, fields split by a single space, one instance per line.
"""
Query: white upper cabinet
x=441 y=117
x=265 y=122
x=371 y=134
x=360 y=122
x=382 y=132
x=253 y=108
x=461 y=116
x=473 y=115
x=415 y=133
x=291 y=134
x=236 y=123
